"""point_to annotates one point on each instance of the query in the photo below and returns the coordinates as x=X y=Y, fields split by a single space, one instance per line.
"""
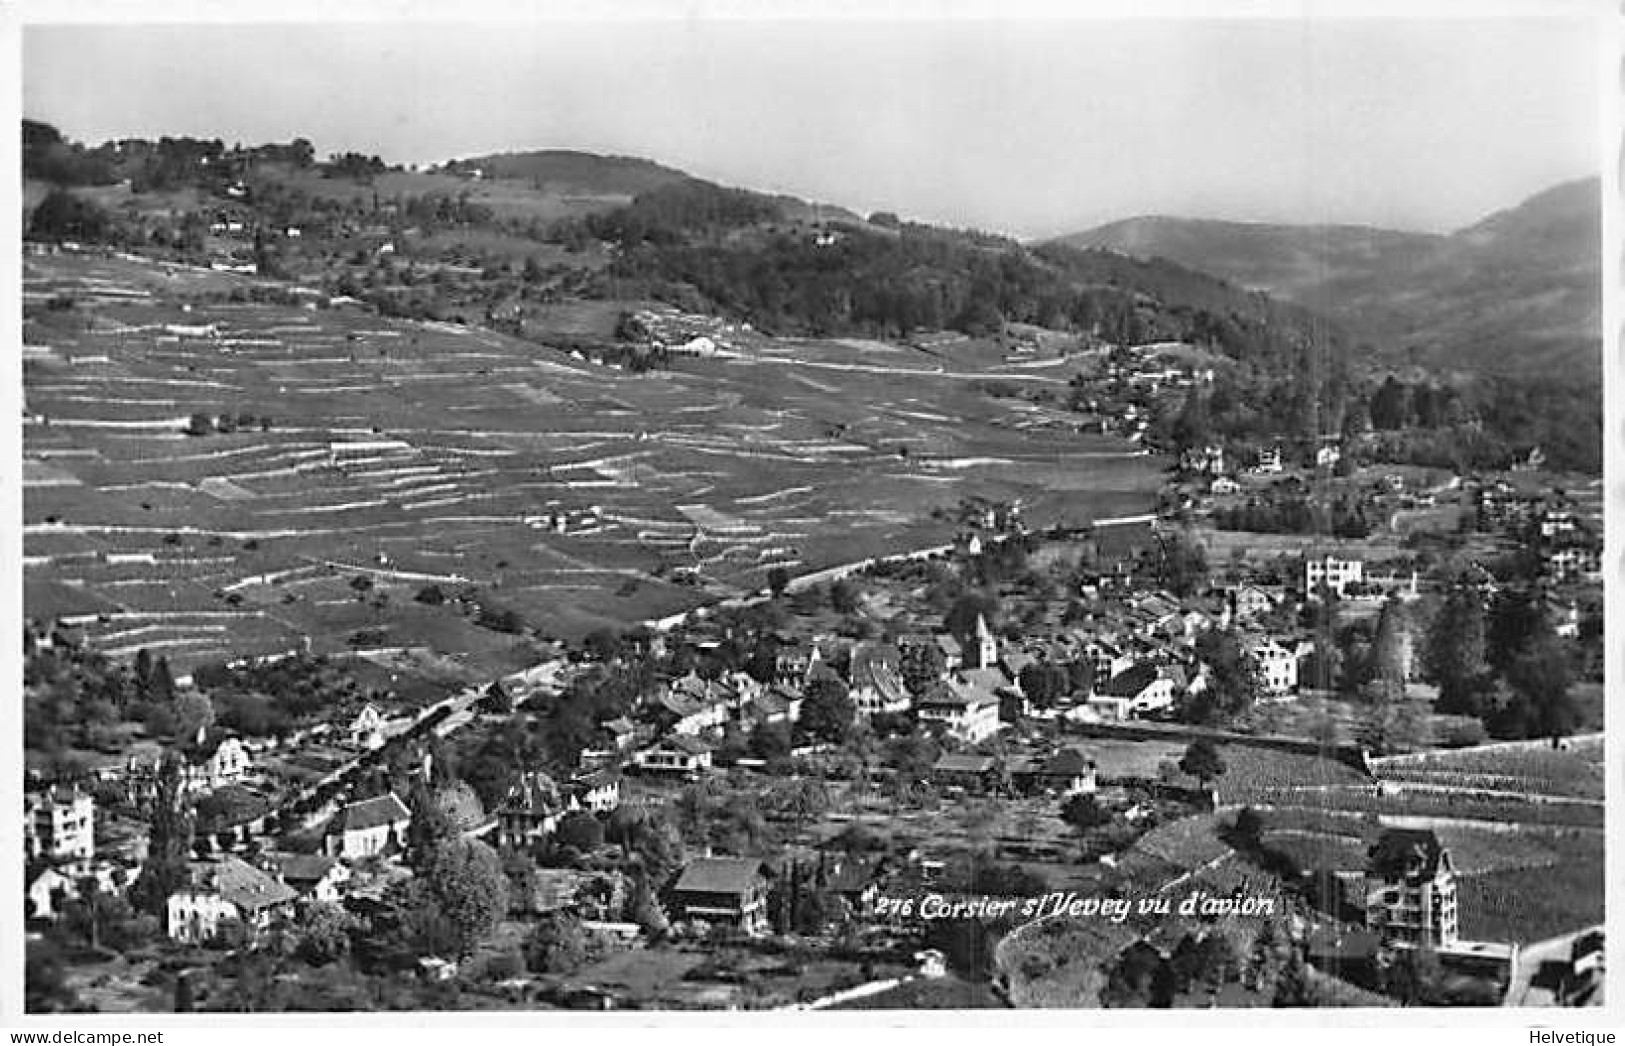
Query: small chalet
x=731 y=891
x=368 y=828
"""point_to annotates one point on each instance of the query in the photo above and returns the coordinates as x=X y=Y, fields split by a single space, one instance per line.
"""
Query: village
x=668 y=816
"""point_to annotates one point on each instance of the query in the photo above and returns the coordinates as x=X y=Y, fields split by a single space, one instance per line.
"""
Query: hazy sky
x=1026 y=127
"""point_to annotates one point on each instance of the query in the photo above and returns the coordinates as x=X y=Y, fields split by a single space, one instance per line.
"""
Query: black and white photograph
x=776 y=512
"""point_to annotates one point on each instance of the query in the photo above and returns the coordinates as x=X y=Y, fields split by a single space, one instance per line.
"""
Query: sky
x=1029 y=127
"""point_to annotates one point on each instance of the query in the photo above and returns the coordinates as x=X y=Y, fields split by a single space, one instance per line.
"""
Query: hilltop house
x=59 y=824
x=368 y=828
x=1410 y=888
x=226 y=890
x=731 y=891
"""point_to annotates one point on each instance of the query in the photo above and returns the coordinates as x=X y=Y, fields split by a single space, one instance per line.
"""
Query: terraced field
x=412 y=454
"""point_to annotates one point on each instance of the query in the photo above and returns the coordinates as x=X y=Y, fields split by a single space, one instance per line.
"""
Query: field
x=1576 y=772
x=1532 y=904
x=374 y=457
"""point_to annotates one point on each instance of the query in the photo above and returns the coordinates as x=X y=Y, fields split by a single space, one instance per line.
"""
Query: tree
x=194 y=714
x=960 y=621
x=324 y=933
x=1083 y=813
x=1415 y=977
x=169 y=845
x=1248 y=829
x=1540 y=677
x=778 y=579
x=1390 y=647
x=557 y=945
x=1517 y=621
x=843 y=596
x=1233 y=678
x=922 y=665
x=580 y=831
x=429 y=829
x=827 y=711
x=1203 y=762
x=1179 y=563
x=465 y=878
x=63 y=216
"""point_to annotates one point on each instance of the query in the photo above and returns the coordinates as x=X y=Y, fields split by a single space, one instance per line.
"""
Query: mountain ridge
x=1519 y=290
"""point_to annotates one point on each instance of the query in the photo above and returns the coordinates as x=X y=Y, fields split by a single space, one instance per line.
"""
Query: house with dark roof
x=367 y=829
x=316 y=876
x=731 y=891
x=1410 y=888
x=225 y=890
x=1066 y=773
x=977 y=773
x=1141 y=689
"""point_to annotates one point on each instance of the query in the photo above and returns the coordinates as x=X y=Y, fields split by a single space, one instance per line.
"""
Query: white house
x=45 y=895
x=367 y=828
x=367 y=729
x=212 y=761
x=1277 y=666
x=226 y=889
x=1336 y=574
x=59 y=824
x=678 y=754
x=1269 y=462
x=1141 y=689
x=963 y=710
